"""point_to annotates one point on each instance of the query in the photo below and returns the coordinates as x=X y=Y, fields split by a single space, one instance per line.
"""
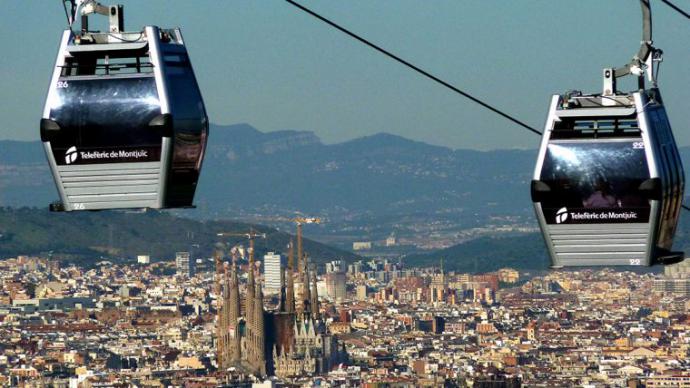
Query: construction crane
x=301 y=221
x=251 y=236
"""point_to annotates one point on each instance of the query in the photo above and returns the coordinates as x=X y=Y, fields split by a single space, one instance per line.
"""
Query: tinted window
x=188 y=111
x=106 y=112
x=596 y=177
x=184 y=93
x=104 y=64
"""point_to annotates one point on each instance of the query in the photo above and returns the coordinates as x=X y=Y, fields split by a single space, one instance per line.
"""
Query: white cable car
x=608 y=184
x=124 y=124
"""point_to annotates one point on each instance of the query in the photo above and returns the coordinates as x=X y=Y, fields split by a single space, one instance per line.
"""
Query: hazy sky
x=267 y=64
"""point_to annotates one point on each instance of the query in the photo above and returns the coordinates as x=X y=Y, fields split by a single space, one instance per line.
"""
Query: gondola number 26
x=62 y=84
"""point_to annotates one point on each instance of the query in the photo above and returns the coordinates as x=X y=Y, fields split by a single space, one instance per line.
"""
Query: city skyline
x=408 y=326
x=355 y=224
x=186 y=318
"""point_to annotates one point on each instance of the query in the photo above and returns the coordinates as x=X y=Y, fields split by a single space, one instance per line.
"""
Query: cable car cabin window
x=677 y=165
x=595 y=181
x=103 y=116
x=662 y=131
x=187 y=109
x=106 y=65
x=569 y=128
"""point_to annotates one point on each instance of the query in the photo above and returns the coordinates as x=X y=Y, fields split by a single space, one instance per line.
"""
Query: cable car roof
x=597 y=112
x=89 y=48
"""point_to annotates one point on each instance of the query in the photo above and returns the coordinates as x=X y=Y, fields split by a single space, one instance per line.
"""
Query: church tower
x=306 y=294
x=221 y=316
x=259 y=357
x=235 y=353
x=314 y=303
x=249 y=327
x=290 y=278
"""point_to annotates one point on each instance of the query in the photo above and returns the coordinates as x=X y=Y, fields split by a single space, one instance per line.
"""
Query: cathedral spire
x=314 y=296
x=234 y=316
x=221 y=349
x=290 y=278
x=259 y=341
x=249 y=299
x=306 y=295
x=281 y=294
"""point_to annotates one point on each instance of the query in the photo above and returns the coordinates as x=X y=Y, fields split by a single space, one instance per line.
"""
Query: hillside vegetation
x=86 y=236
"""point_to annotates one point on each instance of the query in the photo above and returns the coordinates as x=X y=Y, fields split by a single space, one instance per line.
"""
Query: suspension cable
x=676 y=8
x=415 y=68
x=69 y=13
x=434 y=78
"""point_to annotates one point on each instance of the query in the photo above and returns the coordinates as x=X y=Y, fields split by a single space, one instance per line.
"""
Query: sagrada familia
x=290 y=341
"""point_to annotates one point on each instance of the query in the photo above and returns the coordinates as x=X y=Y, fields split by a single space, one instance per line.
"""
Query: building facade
x=335 y=286
x=273 y=273
x=291 y=341
x=183 y=264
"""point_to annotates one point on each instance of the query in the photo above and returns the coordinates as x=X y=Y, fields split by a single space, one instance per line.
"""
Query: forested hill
x=121 y=235
x=484 y=254
x=525 y=251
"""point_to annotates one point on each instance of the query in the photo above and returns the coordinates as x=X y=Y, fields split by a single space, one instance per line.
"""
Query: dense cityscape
x=445 y=247
x=279 y=320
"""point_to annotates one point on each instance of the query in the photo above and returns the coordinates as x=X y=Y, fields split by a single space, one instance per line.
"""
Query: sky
x=270 y=65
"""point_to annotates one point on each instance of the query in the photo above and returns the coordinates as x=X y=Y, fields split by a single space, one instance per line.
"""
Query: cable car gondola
x=124 y=124
x=609 y=182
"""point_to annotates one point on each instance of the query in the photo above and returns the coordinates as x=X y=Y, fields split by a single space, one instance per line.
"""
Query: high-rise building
x=335 y=266
x=361 y=293
x=439 y=286
x=355 y=267
x=438 y=325
x=680 y=287
x=273 y=273
x=335 y=286
x=676 y=280
x=508 y=275
x=183 y=264
x=489 y=278
x=678 y=271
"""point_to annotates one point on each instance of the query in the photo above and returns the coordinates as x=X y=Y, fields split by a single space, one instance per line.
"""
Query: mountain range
x=246 y=169
x=365 y=189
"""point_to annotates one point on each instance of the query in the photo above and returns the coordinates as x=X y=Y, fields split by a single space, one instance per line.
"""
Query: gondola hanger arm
x=84 y=8
x=91 y=7
x=643 y=63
